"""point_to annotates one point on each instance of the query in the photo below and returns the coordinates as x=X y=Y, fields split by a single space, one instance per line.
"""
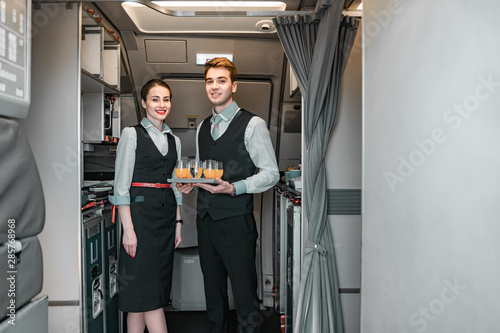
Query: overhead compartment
x=165 y=51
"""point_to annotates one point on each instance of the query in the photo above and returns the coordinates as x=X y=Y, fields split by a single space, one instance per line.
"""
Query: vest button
x=208 y=206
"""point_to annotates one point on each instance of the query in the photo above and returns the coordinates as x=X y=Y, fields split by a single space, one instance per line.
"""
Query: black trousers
x=227 y=248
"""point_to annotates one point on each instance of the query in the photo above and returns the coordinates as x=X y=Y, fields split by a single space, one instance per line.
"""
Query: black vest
x=230 y=149
x=150 y=165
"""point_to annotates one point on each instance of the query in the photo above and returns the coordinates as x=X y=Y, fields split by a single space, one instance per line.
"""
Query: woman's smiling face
x=157 y=104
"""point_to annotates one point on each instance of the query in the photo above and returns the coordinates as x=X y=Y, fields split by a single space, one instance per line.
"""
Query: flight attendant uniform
x=145 y=280
x=227 y=231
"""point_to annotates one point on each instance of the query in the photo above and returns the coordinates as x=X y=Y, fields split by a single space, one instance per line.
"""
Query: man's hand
x=222 y=188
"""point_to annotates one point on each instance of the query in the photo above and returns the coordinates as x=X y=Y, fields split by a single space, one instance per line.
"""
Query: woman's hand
x=129 y=237
x=130 y=242
x=178 y=234
x=185 y=188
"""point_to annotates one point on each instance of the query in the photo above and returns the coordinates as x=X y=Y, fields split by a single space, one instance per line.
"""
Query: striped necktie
x=215 y=131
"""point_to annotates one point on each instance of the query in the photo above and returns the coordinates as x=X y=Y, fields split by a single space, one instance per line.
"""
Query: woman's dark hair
x=152 y=83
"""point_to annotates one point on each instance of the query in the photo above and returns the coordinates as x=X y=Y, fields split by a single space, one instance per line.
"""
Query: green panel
x=344 y=202
x=111 y=274
x=94 y=277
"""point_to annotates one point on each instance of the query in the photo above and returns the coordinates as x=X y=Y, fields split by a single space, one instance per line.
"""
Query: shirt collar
x=228 y=113
x=146 y=123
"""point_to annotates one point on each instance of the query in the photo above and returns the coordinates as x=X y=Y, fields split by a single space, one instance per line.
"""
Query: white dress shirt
x=125 y=159
x=259 y=146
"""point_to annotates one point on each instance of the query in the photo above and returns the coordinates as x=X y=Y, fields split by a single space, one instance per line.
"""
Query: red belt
x=154 y=185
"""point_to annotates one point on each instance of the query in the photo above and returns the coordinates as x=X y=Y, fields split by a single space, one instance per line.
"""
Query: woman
x=149 y=210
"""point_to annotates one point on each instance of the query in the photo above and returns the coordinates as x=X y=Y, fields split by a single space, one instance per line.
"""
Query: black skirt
x=145 y=281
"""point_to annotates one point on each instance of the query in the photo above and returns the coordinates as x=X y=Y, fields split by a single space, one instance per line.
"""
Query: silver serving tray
x=192 y=180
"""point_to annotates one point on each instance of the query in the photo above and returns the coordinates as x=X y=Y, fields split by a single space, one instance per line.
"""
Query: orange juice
x=210 y=173
x=182 y=173
x=219 y=173
x=198 y=174
x=179 y=172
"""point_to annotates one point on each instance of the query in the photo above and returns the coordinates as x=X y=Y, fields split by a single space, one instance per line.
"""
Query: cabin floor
x=197 y=322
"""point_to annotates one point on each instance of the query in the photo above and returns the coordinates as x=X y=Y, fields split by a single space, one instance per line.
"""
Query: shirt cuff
x=119 y=200
x=240 y=187
x=178 y=200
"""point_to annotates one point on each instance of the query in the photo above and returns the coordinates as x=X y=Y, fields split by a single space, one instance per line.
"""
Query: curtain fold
x=298 y=37
x=317 y=49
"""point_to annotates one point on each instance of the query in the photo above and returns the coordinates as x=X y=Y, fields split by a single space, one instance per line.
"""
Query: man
x=227 y=231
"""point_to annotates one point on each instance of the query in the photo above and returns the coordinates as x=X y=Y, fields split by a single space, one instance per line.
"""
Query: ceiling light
x=222 y=6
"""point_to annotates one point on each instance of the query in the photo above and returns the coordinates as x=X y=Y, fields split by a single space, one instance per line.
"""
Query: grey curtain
x=318 y=47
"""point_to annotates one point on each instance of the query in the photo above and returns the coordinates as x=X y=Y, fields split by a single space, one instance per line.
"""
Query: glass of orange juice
x=219 y=169
x=181 y=169
x=209 y=169
x=195 y=168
